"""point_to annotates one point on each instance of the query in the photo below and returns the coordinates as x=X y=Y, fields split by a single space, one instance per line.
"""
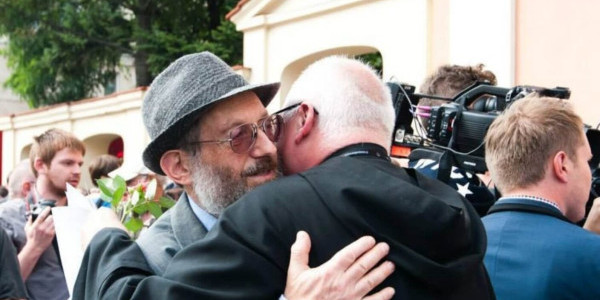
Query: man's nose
x=263 y=146
x=77 y=169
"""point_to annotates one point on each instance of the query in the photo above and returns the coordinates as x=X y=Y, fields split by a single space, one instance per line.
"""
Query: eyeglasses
x=287 y=108
x=292 y=107
x=243 y=137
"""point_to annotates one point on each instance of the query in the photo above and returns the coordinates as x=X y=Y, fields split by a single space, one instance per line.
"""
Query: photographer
x=56 y=157
x=447 y=82
x=537 y=154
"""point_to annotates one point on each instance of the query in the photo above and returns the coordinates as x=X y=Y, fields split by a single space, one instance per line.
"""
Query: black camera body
x=460 y=125
x=40 y=206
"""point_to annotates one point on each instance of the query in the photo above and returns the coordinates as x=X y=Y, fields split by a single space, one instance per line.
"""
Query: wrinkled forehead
x=237 y=110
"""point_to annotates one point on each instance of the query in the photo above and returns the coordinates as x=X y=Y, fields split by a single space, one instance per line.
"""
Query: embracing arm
x=350 y=274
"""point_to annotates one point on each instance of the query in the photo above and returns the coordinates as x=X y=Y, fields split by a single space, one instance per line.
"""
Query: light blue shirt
x=205 y=218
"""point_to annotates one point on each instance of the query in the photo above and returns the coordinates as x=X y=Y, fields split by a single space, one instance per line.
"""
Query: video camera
x=459 y=125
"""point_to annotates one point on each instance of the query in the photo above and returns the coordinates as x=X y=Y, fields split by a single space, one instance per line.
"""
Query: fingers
x=299 y=254
x=46 y=227
x=384 y=294
x=592 y=222
x=367 y=261
x=42 y=216
x=347 y=256
x=374 y=278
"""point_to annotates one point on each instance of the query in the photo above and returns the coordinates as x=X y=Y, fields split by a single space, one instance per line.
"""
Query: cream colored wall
x=413 y=37
x=482 y=31
x=558 y=44
x=291 y=39
x=88 y=120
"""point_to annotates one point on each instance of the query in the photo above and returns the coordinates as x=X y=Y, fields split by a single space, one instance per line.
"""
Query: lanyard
x=362 y=149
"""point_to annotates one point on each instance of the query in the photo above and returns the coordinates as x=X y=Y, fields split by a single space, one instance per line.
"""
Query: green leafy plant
x=131 y=203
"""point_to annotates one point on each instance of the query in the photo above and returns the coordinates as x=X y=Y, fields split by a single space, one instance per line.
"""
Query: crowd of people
x=306 y=203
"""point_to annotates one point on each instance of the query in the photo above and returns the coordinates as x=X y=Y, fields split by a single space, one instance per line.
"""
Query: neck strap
x=362 y=149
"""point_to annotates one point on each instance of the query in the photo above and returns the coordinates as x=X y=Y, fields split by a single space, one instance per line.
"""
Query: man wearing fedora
x=212 y=135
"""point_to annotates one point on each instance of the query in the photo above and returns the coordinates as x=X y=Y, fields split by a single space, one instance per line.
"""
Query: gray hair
x=22 y=172
x=347 y=94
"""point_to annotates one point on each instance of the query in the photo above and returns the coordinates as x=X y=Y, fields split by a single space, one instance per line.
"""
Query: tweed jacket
x=173 y=231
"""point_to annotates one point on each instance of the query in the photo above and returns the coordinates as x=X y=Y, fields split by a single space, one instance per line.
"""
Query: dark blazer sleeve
x=11 y=285
x=245 y=256
x=238 y=259
x=111 y=267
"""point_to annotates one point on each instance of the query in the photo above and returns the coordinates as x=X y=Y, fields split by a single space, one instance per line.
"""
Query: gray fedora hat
x=185 y=88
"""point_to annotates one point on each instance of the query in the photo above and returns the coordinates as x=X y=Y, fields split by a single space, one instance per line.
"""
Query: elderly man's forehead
x=236 y=110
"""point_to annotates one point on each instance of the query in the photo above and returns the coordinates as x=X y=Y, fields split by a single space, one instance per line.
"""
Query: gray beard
x=216 y=188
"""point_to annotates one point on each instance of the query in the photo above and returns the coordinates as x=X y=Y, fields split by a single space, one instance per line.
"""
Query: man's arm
x=39 y=237
x=101 y=276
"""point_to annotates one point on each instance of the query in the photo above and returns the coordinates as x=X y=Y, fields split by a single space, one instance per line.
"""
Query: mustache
x=263 y=165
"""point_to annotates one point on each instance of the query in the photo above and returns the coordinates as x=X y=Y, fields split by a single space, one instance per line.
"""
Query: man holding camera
x=448 y=81
x=56 y=157
x=537 y=154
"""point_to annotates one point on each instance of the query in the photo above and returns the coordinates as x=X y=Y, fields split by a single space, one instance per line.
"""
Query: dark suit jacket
x=437 y=241
x=11 y=285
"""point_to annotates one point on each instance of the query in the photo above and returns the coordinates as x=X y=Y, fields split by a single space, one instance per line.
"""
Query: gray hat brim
x=168 y=139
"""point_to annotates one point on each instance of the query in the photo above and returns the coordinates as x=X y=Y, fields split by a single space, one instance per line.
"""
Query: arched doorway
x=25 y=152
x=294 y=69
x=95 y=146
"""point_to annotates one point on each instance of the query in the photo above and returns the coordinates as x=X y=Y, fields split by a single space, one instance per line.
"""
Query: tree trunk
x=214 y=7
x=144 y=21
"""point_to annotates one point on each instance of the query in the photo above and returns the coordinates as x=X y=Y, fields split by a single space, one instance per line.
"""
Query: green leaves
x=134 y=225
x=66 y=50
x=132 y=204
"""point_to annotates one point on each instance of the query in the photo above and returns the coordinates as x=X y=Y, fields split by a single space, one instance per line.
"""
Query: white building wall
x=117 y=115
x=295 y=38
x=483 y=31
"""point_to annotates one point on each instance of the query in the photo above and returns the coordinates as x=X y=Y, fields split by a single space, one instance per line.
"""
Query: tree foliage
x=64 y=50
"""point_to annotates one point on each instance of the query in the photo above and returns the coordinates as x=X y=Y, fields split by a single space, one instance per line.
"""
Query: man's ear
x=561 y=166
x=25 y=187
x=306 y=122
x=174 y=164
x=39 y=166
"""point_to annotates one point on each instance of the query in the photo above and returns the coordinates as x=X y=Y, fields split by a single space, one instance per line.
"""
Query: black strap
x=362 y=149
x=445 y=167
x=499 y=207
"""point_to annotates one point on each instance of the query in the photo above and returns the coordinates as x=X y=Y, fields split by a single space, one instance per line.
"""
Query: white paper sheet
x=68 y=221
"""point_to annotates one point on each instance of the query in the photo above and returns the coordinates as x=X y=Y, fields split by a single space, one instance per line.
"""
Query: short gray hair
x=20 y=173
x=347 y=94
